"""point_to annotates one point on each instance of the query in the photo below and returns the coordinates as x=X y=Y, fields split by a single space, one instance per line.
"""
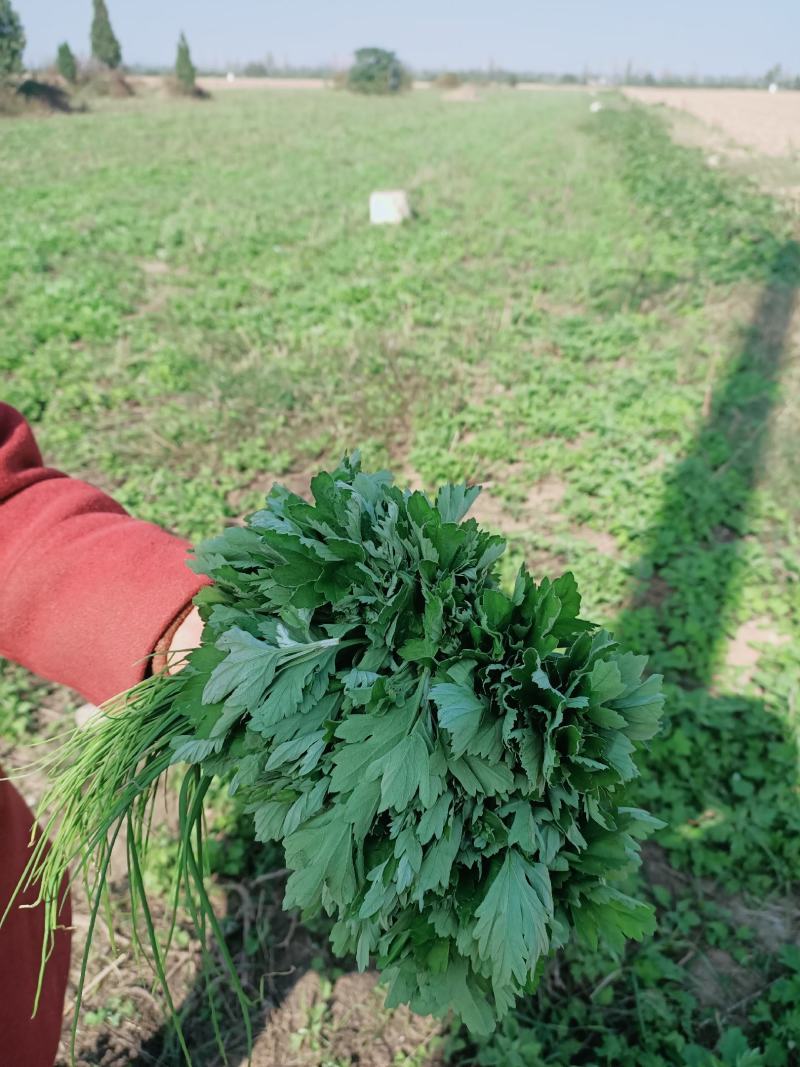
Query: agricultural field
x=583 y=317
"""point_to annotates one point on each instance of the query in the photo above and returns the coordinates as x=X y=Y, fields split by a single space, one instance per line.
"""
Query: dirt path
x=767 y=122
x=214 y=83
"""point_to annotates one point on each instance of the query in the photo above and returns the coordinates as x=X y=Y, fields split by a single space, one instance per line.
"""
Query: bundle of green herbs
x=440 y=758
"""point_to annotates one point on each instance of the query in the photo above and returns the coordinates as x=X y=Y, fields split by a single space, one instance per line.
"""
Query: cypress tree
x=12 y=40
x=65 y=61
x=185 y=71
x=105 y=46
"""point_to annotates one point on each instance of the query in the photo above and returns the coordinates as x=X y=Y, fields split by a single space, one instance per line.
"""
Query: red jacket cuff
x=88 y=593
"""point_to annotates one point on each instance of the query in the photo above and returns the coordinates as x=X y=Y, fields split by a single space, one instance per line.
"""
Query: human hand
x=185 y=638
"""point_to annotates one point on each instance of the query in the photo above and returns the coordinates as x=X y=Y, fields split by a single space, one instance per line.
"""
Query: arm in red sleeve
x=86 y=591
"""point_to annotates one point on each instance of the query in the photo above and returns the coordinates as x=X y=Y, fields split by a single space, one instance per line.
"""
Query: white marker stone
x=389 y=207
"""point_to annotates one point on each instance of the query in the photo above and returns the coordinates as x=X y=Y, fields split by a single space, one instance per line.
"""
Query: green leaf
x=438 y=862
x=286 y=693
x=432 y=620
x=408 y=852
x=513 y=919
x=613 y=916
x=641 y=705
x=606 y=682
x=617 y=751
x=606 y=717
x=433 y=821
x=194 y=749
x=497 y=608
x=477 y=776
x=370 y=737
x=438 y=957
x=523 y=828
x=320 y=855
x=299 y=747
x=417 y=649
x=378 y=893
x=243 y=676
x=269 y=819
x=401 y=772
x=531 y=756
x=454 y=501
x=460 y=712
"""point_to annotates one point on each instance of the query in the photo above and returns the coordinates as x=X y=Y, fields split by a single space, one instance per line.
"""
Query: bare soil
x=744 y=646
x=539 y=509
x=766 y=122
x=346 y=1023
x=464 y=94
x=219 y=83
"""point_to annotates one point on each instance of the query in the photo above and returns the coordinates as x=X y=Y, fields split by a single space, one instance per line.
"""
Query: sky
x=710 y=37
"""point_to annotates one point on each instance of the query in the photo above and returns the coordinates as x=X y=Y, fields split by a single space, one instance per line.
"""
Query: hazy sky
x=685 y=36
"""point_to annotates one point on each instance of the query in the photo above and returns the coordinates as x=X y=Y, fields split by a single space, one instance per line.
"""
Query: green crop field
x=582 y=317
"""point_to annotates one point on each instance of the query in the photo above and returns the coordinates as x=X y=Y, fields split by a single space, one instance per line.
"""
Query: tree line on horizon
x=373 y=70
x=106 y=51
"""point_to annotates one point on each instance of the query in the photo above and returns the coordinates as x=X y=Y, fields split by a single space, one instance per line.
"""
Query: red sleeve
x=86 y=591
x=26 y=1040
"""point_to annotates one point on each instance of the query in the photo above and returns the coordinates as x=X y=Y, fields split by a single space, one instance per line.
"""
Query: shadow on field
x=687 y=582
x=735 y=770
x=688 y=571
